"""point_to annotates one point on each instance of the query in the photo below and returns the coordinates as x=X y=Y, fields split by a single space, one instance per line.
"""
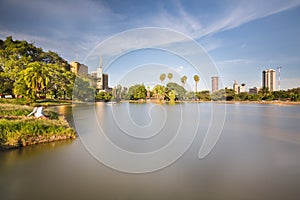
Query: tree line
x=175 y=92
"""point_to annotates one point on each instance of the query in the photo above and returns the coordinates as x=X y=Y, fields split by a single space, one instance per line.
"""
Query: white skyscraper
x=102 y=79
x=269 y=79
x=100 y=70
x=214 y=84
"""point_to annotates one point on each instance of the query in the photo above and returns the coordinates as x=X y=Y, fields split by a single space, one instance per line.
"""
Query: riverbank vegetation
x=17 y=130
x=175 y=92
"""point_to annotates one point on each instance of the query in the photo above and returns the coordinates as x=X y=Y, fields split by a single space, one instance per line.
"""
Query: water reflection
x=257 y=157
x=9 y=158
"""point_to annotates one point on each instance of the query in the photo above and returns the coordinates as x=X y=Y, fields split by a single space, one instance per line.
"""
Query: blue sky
x=241 y=38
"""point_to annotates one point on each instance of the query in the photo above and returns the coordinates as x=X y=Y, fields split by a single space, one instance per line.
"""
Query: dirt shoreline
x=259 y=102
x=226 y=102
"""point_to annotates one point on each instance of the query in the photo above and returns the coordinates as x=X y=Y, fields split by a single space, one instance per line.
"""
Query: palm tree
x=36 y=78
x=183 y=80
x=196 y=79
x=162 y=77
x=170 y=76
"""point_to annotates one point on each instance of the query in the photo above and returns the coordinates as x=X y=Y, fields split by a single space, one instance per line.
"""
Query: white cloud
x=73 y=27
x=238 y=13
x=235 y=61
x=180 y=69
x=187 y=24
x=246 y=11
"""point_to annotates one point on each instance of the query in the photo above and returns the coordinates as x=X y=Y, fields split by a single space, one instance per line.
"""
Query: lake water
x=257 y=155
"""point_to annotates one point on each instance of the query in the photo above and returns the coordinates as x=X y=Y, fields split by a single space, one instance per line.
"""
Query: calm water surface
x=256 y=157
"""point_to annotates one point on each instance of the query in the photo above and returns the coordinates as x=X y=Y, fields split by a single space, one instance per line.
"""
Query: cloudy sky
x=241 y=38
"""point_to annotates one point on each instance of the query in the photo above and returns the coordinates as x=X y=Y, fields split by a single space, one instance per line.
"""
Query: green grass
x=16 y=129
x=10 y=110
x=45 y=102
x=17 y=101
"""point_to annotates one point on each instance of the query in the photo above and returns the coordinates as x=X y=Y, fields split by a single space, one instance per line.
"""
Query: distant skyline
x=243 y=38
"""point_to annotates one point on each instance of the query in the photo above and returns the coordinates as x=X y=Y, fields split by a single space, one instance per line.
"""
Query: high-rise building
x=102 y=79
x=269 y=79
x=105 y=81
x=236 y=88
x=214 y=84
x=100 y=70
x=78 y=69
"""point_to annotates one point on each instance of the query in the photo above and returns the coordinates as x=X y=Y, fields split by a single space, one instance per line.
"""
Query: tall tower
x=214 y=84
x=279 y=77
x=269 y=79
x=100 y=70
x=100 y=76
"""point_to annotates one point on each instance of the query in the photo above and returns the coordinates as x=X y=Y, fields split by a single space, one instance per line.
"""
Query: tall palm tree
x=36 y=78
x=162 y=77
x=183 y=80
x=196 y=79
x=170 y=76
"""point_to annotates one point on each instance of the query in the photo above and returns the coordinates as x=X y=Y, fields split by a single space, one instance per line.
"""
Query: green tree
x=295 y=97
x=222 y=95
x=171 y=95
x=136 y=92
x=180 y=92
x=265 y=92
x=283 y=95
x=83 y=91
x=51 y=57
x=243 y=96
x=61 y=82
x=293 y=94
x=230 y=95
x=191 y=95
x=183 y=80
x=254 y=97
x=104 y=96
x=196 y=79
x=17 y=60
x=159 y=92
x=203 y=95
x=35 y=79
x=140 y=92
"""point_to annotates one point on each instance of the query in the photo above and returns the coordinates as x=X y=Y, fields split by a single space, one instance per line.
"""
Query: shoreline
x=17 y=130
x=280 y=103
x=223 y=102
x=35 y=141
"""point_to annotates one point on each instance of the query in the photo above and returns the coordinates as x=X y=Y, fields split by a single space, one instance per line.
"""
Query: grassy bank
x=45 y=102
x=17 y=130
